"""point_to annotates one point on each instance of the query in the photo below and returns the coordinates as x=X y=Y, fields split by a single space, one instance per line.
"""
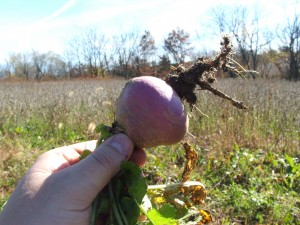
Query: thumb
x=93 y=173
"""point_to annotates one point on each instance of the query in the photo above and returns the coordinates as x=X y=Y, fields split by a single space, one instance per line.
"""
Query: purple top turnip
x=151 y=113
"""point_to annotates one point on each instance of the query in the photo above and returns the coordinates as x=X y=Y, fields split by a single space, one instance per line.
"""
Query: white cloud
x=43 y=35
x=189 y=15
x=61 y=10
x=115 y=11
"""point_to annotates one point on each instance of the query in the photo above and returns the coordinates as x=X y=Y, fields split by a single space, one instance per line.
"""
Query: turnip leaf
x=105 y=132
x=164 y=216
x=135 y=182
x=84 y=154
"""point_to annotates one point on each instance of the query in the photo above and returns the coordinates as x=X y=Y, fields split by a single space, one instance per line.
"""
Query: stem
x=143 y=211
x=155 y=187
x=243 y=69
x=190 y=134
x=203 y=114
x=115 y=210
x=175 y=185
x=123 y=217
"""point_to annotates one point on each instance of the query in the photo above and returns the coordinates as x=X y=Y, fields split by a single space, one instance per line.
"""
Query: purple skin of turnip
x=151 y=113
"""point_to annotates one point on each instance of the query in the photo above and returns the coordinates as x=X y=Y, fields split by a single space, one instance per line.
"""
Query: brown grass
x=271 y=123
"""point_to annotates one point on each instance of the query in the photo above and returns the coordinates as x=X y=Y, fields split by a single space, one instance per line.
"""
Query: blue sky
x=47 y=25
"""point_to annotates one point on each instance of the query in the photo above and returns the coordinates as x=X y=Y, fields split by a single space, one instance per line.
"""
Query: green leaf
x=105 y=132
x=290 y=160
x=84 y=154
x=164 y=216
x=19 y=130
x=168 y=211
x=288 y=218
x=130 y=209
x=135 y=182
x=126 y=191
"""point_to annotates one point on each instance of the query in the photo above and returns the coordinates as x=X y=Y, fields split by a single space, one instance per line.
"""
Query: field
x=248 y=160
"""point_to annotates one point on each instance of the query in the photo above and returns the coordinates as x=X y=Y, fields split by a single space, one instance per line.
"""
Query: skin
x=59 y=189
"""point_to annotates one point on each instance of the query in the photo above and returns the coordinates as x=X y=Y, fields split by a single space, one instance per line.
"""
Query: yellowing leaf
x=206 y=217
x=191 y=156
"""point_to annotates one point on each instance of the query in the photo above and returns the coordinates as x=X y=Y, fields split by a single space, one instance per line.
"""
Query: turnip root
x=151 y=113
x=150 y=110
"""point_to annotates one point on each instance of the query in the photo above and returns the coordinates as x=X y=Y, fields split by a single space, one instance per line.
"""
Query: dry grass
x=22 y=100
x=272 y=122
x=37 y=116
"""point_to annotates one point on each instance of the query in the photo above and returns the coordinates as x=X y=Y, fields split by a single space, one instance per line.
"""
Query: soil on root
x=202 y=74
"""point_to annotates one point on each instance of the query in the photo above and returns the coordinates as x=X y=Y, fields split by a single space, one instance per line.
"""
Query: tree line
x=130 y=54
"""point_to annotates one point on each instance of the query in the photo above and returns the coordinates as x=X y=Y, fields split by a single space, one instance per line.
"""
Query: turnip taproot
x=151 y=113
x=150 y=110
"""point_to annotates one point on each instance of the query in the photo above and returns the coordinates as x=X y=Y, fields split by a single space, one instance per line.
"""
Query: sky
x=48 y=25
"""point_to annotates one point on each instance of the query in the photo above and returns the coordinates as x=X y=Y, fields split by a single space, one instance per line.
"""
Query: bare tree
x=74 y=56
x=177 y=44
x=2 y=71
x=108 y=61
x=147 y=47
x=69 y=60
x=39 y=62
x=290 y=39
x=86 y=54
x=125 y=48
x=93 y=49
x=49 y=64
x=249 y=38
x=55 y=65
x=35 y=65
x=163 y=64
x=143 y=52
x=21 y=64
x=6 y=69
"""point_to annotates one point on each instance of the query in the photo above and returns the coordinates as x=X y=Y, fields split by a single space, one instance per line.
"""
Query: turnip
x=150 y=110
x=151 y=113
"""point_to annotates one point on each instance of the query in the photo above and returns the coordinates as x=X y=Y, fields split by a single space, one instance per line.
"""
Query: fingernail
x=122 y=144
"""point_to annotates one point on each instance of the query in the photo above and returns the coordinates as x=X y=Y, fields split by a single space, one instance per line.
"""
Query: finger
x=138 y=156
x=91 y=175
x=88 y=145
x=62 y=157
x=56 y=159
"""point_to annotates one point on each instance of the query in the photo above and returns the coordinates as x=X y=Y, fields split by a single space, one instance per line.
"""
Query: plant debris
x=178 y=203
x=201 y=74
x=191 y=157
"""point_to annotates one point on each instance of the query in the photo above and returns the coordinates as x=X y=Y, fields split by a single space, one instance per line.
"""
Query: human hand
x=59 y=189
